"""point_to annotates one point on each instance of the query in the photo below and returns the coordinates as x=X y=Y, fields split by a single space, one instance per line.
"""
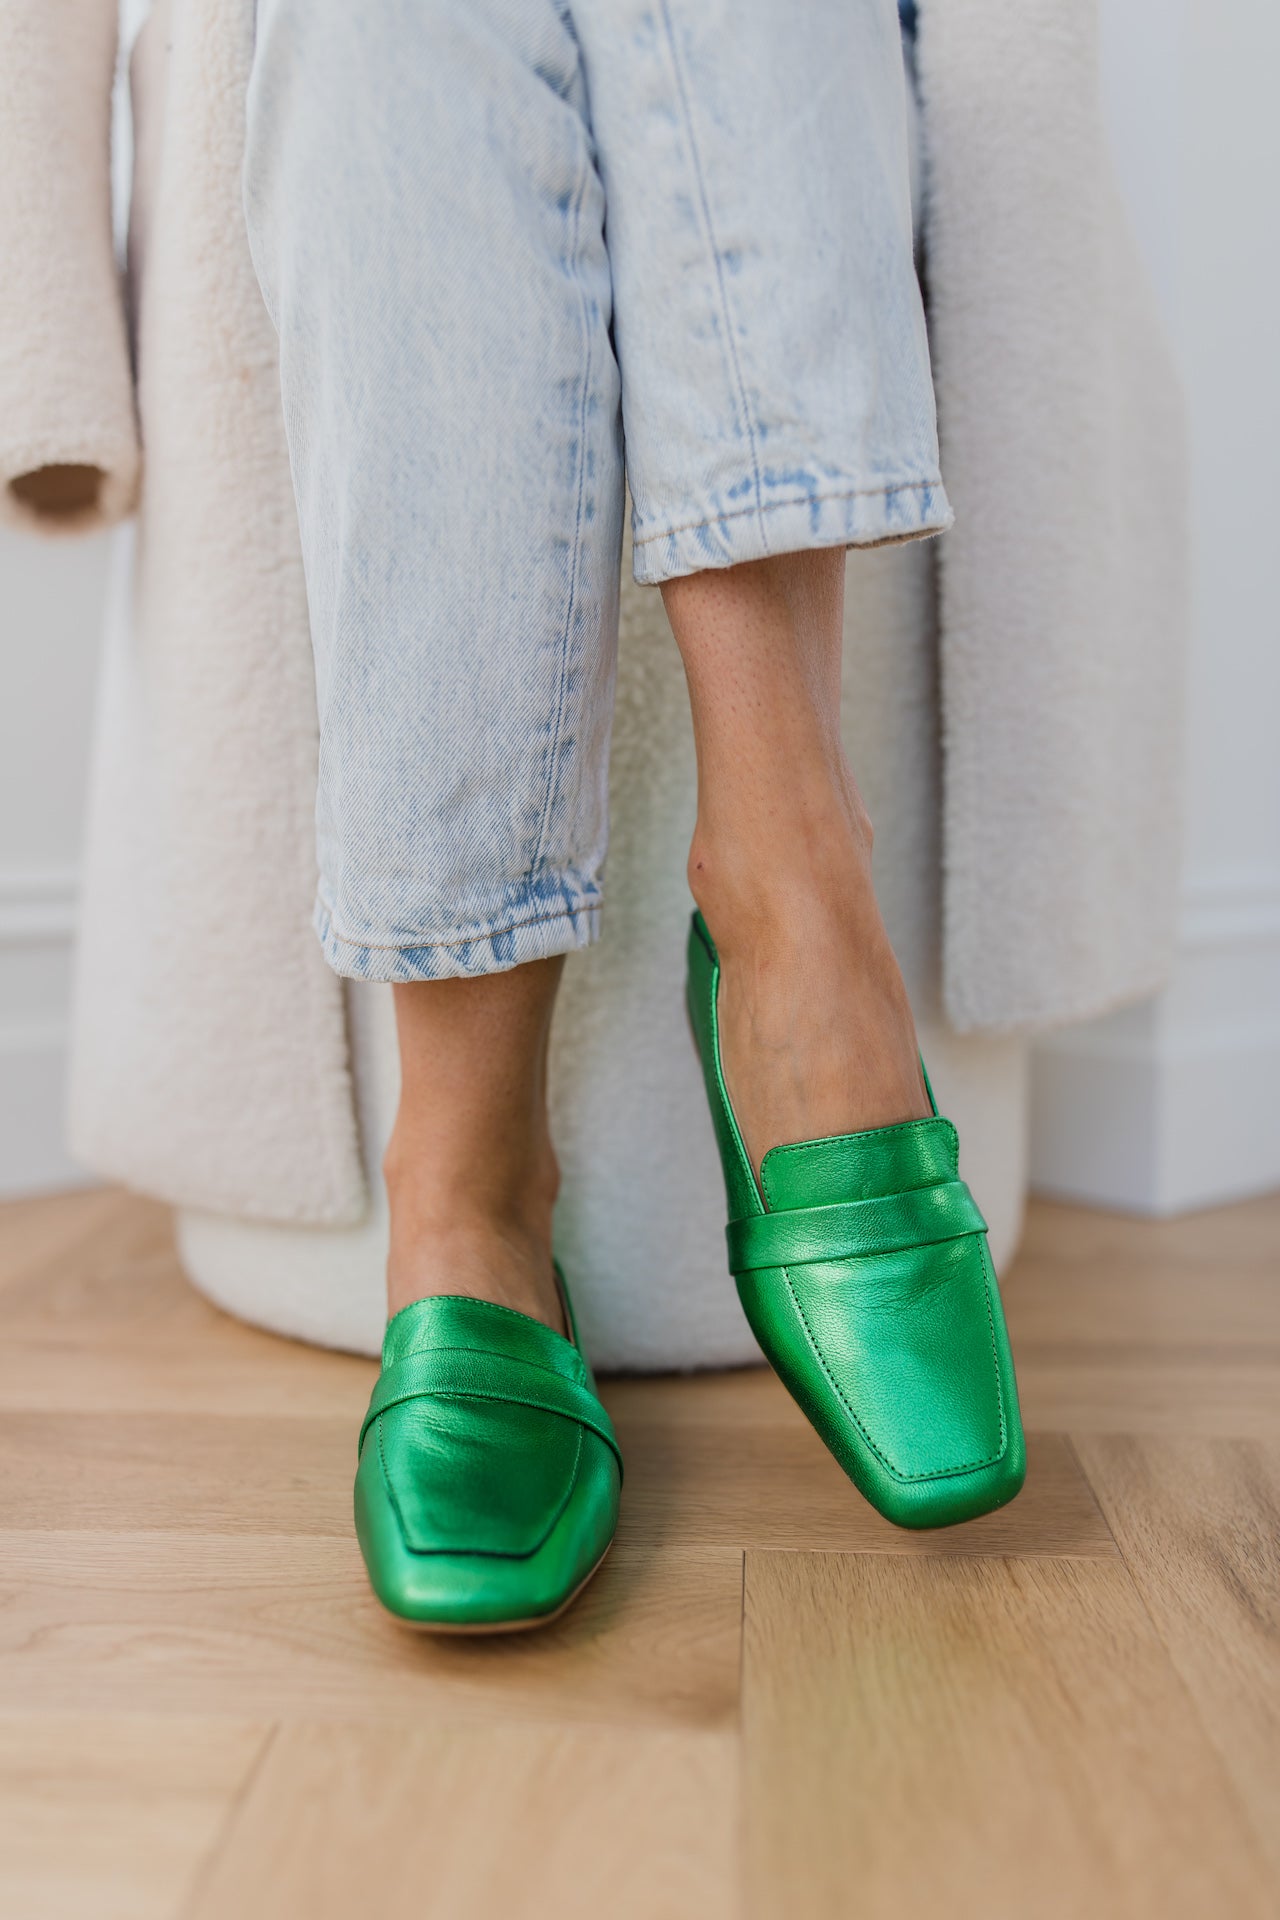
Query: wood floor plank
x=286 y=1628
x=56 y=1232
x=120 y=1277
x=111 y=1325
x=746 y=1469
x=1082 y=1275
x=1100 y=1390
x=197 y=1473
x=229 y=1370
x=983 y=1738
x=113 y=1818
x=1198 y=1522
x=500 y=1822
x=1124 y=1325
x=723 y=1481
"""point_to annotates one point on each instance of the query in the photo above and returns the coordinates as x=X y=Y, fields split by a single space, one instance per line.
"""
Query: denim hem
x=839 y=516
x=458 y=956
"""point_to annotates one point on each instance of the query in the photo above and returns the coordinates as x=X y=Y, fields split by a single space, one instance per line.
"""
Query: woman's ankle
x=505 y=1263
x=788 y=879
x=473 y=1173
x=469 y=1236
x=816 y=1030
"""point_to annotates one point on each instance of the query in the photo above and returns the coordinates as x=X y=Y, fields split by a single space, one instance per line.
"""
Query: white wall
x=50 y=614
x=1172 y=1105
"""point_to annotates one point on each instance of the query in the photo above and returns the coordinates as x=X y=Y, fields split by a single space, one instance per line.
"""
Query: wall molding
x=38 y=919
x=1230 y=911
x=38 y=906
x=1167 y=1106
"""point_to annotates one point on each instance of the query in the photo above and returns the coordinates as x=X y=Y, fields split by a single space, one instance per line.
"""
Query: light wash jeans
x=498 y=239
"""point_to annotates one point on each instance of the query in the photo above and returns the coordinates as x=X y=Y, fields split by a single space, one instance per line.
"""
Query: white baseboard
x=1144 y=1134
x=33 y=1151
x=37 y=932
x=1170 y=1106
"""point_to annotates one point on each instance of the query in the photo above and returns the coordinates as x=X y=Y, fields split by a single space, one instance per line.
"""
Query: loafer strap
x=851 y=1229
x=461 y=1373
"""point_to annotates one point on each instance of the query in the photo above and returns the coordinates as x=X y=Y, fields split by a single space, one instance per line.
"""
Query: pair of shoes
x=489 y=1476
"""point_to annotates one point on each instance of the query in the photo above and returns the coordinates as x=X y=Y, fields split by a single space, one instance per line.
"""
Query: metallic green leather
x=862 y=1265
x=487 y=1489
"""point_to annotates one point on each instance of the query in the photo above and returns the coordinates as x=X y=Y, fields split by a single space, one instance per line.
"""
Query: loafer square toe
x=489 y=1473
x=862 y=1265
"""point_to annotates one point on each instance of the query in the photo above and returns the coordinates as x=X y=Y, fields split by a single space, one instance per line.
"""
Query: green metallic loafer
x=862 y=1265
x=487 y=1490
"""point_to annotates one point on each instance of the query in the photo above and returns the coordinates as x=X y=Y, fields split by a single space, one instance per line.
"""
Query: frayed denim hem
x=838 y=516
x=466 y=956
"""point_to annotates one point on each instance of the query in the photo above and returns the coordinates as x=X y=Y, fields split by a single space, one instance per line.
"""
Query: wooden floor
x=770 y=1704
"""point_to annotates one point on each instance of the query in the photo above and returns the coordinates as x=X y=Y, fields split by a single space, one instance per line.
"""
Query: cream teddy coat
x=212 y=1059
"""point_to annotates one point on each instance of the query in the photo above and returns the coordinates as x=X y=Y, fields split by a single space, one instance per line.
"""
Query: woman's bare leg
x=817 y=1033
x=470 y=1171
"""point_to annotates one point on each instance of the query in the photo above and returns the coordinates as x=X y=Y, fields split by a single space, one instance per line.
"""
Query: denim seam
x=566 y=641
x=458 y=940
x=717 y=264
x=798 y=500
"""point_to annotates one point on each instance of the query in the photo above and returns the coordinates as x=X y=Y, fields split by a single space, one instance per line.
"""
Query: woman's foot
x=487 y=1488
x=867 y=1281
x=816 y=1032
x=448 y=1244
x=470 y=1171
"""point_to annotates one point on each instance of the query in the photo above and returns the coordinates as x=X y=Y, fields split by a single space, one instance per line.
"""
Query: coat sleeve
x=68 y=432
